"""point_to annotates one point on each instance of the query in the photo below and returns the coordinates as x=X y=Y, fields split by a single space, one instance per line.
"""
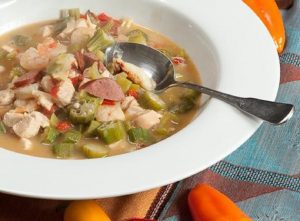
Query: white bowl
x=234 y=53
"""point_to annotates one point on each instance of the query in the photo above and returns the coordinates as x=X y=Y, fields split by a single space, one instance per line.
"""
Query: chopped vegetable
x=108 y=26
x=72 y=13
x=135 y=87
x=137 y=36
x=123 y=82
x=207 y=203
x=60 y=64
x=63 y=126
x=138 y=135
x=85 y=113
x=59 y=26
x=3 y=54
x=72 y=136
x=93 y=72
x=133 y=93
x=2 y=128
x=17 y=72
x=111 y=132
x=186 y=103
x=91 y=130
x=151 y=101
x=49 y=135
x=166 y=124
x=22 y=41
x=63 y=150
x=103 y=17
x=95 y=150
x=108 y=102
x=100 y=41
x=54 y=121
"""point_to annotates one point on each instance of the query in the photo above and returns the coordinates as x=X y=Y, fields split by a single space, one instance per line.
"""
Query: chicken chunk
x=27 y=91
x=2 y=69
x=6 y=97
x=47 y=83
x=148 y=119
x=41 y=118
x=65 y=92
x=133 y=112
x=28 y=127
x=136 y=74
x=11 y=118
x=44 y=99
x=110 y=113
x=25 y=105
x=31 y=59
x=128 y=101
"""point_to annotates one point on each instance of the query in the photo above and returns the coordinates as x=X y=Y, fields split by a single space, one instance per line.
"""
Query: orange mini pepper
x=268 y=12
x=208 y=204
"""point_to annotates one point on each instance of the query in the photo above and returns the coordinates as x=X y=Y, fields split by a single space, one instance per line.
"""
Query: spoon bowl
x=159 y=67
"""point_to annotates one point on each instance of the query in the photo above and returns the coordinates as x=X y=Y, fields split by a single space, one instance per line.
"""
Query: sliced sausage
x=28 y=78
x=80 y=60
x=105 y=88
x=89 y=59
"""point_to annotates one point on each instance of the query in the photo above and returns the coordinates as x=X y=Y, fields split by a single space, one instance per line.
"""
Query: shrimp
x=31 y=59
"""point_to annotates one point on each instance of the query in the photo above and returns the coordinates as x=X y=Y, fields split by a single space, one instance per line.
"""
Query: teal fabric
x=263 y=175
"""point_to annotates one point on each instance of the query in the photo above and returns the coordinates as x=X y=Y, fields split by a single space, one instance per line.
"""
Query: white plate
x=234 y=54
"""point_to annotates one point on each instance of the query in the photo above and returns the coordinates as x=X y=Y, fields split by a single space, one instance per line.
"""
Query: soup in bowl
x=59 y=100
x=230 y=56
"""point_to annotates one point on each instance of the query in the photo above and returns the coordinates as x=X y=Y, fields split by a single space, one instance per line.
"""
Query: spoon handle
x=273 y=112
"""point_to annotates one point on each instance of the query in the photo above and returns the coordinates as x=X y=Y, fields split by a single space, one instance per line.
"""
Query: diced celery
x=166 y=124
x=95 y=150
x=111 y=132
x=63 y=150
x=49 y=135
x=72 y=136
x=72 y=13
x=22 y=41
x=138 y=135
x=100 y=41
x=123 y=82
x=17 y=72
x=91 y=130
x=135 y=87
x=93 y=72
x=84 y=114
x=151 y=101
x=2 y=128
x=108 y=26
x=54 y=120
x=137 y=36
x=100 y=55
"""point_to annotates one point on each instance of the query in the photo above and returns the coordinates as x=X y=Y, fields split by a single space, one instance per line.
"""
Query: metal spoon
x=161 y=70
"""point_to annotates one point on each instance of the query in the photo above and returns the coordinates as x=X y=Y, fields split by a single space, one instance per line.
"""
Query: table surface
x=262 y=176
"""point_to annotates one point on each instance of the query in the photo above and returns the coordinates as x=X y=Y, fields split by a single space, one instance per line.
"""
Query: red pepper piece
x=133 y=93
x=63 y=126
x=103 y=17
x=108 y=102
